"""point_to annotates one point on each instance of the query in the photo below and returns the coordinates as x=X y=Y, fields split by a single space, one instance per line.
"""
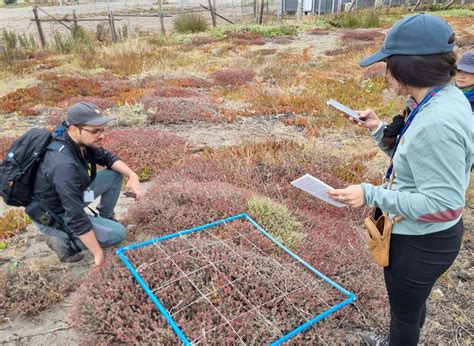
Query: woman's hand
x=371 y=119
x=352 y=195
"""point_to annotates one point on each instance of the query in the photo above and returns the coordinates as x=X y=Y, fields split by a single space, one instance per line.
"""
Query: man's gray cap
x=419 y=34
x=466 y=63
x=86 y=113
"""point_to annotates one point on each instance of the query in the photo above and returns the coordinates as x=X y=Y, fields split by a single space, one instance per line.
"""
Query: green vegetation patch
x=277 y=219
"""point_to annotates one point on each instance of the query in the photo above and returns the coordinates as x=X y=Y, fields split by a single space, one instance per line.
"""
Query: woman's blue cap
x=420 y=34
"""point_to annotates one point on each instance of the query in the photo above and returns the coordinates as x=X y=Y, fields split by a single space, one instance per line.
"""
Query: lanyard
x=408 y=122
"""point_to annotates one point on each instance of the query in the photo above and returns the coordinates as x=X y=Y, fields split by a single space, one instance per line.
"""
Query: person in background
x=465 y=76
x=431 y=160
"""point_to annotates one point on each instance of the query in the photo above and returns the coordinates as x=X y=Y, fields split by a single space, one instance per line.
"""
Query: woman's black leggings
x=416 y=262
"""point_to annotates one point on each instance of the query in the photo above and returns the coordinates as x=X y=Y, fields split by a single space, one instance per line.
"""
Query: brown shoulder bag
x=379 y=229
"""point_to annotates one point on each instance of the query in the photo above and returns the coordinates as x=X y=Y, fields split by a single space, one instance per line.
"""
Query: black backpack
x=18 y=168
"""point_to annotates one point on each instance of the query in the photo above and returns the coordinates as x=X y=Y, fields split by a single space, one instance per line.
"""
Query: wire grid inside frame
x=230 y=281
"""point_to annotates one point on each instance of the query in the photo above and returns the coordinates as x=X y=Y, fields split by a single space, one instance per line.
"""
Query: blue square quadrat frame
x=351 y=297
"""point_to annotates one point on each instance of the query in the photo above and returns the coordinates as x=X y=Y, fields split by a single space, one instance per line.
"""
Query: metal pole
x=319 y=7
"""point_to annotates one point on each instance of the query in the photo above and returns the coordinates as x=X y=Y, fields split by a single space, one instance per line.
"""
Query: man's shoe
x=373 y=339
x=62 y=249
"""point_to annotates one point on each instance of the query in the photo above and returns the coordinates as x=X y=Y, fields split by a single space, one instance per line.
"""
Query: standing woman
x=431 y=165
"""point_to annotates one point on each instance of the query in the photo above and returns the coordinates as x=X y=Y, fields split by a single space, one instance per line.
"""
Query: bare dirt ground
x=18 y=19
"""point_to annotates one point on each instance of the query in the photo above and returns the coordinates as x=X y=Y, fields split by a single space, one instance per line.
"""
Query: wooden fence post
x=260 y=14
x=112 y=27
x=213 y=16
x=40 y=30
x=162 y=19
x=74 y=17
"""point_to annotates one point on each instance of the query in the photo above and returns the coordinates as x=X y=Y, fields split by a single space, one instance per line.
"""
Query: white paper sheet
x=317 y=188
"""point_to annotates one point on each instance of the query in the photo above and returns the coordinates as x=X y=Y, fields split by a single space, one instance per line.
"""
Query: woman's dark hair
x=422 y=70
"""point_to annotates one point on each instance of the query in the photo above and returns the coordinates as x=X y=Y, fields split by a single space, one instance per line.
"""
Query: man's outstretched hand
x=134 y=186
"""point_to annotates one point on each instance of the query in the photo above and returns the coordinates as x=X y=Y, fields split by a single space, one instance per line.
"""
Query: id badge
x=88 y=196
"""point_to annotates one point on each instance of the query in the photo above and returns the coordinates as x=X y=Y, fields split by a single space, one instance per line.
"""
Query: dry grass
x=28 y=289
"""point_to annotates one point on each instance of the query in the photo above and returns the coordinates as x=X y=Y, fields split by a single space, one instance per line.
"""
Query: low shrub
x=375 y=70
x=348 y=49
x=271 y=30
x=5 y=144
x=12 y=222
x=233 y=76
x=246 y=38
x=101 y=102
x=189 y=82
x=190 y=22
x=126 y=58
x=276 y=219
x=54 y=117
x=172 y=92
x=147 y=151
x=49 y=92
x=260 y=294
x=318 y=31
x=130 y=115
x=369 y=19
x=202 y=41
x=173 y=110
x=365 y=35
x=184 y=203
x=31 y=288
x=204 y=189
x=283 y=40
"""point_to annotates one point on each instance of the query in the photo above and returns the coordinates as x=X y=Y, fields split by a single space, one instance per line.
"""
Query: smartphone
x=130 y=194
x=346 y=110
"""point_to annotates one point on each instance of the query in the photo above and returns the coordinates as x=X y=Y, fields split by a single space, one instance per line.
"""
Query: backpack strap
x=57 y=146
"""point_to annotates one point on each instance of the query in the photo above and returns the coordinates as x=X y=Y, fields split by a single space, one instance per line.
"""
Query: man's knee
x=114 y=176
x=117 y=235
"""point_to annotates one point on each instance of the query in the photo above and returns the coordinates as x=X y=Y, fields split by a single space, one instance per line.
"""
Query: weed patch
x=271 y=30
x=31 y=288
x=12 y=222
x=369 y=19
x=190 y=22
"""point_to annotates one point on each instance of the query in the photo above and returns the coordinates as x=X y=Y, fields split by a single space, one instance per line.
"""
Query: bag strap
x=390 y=185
